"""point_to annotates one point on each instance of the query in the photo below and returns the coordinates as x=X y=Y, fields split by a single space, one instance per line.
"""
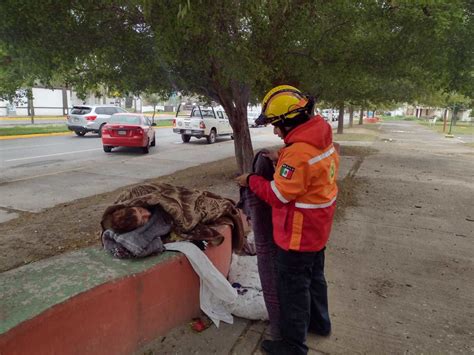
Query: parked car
x=330 y=114
x=85 y=118
x=128 y=130
x=201 y=121
x=251 y=117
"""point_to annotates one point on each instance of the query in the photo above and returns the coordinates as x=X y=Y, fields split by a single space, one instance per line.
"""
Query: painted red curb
x=120 y=316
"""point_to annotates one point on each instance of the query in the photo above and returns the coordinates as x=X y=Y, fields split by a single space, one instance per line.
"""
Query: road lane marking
x=52 y=155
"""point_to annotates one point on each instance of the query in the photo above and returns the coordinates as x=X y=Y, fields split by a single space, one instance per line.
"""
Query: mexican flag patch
x=286 y=171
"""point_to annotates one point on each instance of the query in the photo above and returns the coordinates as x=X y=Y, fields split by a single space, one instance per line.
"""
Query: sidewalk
x=399 y=264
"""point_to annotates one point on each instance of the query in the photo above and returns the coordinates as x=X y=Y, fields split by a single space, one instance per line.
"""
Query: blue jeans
x=302 y=291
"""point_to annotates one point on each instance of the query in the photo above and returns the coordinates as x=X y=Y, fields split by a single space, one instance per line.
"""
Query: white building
x=57 y=102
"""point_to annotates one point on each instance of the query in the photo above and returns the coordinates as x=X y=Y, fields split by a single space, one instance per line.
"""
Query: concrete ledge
x=87 y=302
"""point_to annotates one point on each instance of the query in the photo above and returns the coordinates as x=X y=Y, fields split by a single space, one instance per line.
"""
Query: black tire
x=146 y=149
x=107 y=148
x=100 y=129
x=211 y=138
x=153 y=142
x=80 y=133
x=186 y=138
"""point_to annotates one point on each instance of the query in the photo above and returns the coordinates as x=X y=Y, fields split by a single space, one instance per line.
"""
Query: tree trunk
x=351 y=116
x=31 y=107
x=455 y=115
x=154 y=111
x=65 y=105
x=236 y=109
x=361 y=117
x=340 y=119
x=242 y=144
x=242 y=140
x=445 y=119
x=235 y=99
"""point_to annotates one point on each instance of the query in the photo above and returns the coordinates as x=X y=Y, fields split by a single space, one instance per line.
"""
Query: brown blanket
x=195 y=213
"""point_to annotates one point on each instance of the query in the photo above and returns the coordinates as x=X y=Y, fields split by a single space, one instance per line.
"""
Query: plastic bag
x=245 y=279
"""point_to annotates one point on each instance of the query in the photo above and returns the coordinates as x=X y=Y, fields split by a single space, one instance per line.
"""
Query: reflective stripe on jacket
x=303 y=191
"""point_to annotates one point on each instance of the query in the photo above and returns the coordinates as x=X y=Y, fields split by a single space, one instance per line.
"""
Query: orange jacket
x=303 y=191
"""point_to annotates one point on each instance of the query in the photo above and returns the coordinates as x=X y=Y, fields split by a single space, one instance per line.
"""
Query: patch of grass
x=398 y=118
x=161 y=123
x=460 y=127
x=150 y=113
x=33 y=129
x=28 y=118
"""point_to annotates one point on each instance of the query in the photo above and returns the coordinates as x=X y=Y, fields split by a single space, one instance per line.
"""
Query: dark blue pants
x=302 y=291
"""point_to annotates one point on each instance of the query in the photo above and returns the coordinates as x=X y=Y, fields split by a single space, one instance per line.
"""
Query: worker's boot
x=278 y=347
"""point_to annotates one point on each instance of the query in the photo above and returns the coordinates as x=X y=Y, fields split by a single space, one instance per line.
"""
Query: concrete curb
x=139 y=301
x=35 y=135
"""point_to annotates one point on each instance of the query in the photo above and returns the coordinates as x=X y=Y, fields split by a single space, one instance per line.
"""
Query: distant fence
x=46 y=102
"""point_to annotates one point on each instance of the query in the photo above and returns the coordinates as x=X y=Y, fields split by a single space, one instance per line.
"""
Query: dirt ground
x=73 y=225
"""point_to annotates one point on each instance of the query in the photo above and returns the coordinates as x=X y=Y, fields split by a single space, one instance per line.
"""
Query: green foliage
x=152 y=99
x=362 y=51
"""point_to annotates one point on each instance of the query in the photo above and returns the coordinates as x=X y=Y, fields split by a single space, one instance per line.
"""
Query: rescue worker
x=303 y=199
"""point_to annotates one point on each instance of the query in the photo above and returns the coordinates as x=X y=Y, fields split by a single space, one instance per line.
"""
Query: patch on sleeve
x=332 y=171
x=286 y=171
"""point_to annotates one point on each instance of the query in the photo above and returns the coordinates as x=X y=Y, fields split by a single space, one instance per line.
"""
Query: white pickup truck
x=201 y=121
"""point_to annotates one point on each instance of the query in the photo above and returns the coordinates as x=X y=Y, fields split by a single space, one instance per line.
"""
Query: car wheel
x=107 y=148
x=146 y=149
x=80 y=133
x=186 y=138
x=153 y=142
x=100 y=129
x=211 y=138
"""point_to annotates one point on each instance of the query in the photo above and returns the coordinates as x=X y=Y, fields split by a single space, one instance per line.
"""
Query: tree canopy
x=233 y=51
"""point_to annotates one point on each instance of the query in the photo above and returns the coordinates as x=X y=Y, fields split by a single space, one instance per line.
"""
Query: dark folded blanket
x=141 y=242
x=195 y=215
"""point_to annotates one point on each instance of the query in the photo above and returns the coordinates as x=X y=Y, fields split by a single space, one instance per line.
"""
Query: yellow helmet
x=283 y=103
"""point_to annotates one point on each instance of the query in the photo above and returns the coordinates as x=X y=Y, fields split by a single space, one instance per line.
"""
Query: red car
x=128 y=130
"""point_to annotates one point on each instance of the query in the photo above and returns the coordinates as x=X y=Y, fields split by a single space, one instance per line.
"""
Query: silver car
x=251 y=117
x=90 y=118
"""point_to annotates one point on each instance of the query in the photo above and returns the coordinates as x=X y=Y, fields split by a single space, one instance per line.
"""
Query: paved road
x=38 y=173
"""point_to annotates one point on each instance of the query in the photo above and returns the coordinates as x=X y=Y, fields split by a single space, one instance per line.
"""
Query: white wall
x=3 y=108
x=46 y=102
